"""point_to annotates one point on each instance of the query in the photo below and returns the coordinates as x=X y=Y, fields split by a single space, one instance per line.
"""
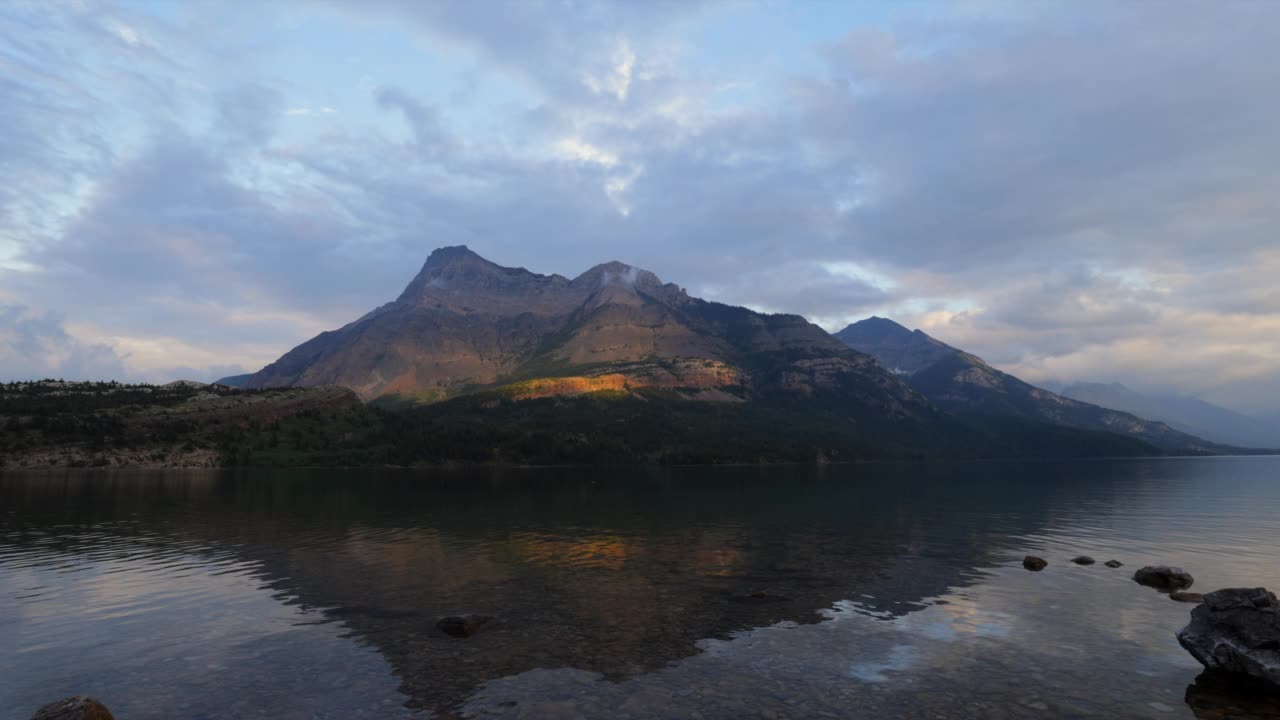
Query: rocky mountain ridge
x=465 y=324
x=963 y=383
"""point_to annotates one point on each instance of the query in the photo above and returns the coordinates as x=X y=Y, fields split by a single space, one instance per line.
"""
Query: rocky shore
x=1234 y=632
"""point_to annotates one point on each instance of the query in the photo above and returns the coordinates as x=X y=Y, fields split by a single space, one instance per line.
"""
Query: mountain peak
x=877 y=320
x=617 y=274
x=452 y=255
x=457 y=276
x=897 y=348
x=874 y=327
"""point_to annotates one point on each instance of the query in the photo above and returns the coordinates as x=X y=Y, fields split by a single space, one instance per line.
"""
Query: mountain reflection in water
x=844 y=591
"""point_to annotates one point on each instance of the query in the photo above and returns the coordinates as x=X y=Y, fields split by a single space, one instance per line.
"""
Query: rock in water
x=1164 y=577
x=1187 y=597
x=1237 y=631
x=1083 y=560
x=760 y=596
x=1113 y=563
x=1219 y=696
x=1034 y=564
x=73 y=708
x=461 y=626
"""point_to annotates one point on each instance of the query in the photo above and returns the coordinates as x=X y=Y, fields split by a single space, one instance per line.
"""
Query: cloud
x=578 y=150
x=571 y=50
x=1130 y=136
x=828 y=294
x=127 y=34
x=1064 y=193
x=423 y=120
x=34 y=346
x=309 y=111
x=616 y=79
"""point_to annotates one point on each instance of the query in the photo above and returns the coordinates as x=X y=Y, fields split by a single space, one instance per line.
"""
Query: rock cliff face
x=964 y=384
x=465 y=324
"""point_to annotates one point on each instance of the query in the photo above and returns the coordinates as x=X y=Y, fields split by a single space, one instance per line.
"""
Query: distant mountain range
x=663 y=375
x=1188 y=414
x=966 y=385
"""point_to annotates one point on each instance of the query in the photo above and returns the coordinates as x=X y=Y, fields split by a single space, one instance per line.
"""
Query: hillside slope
x=964 y=384
x=1187 y=414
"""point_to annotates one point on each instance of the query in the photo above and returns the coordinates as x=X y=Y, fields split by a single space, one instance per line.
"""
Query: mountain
x=901 y=351
x=233 y=381
x=963 y=383
x=493 y=363
x=1188 y=414
x=465 y=324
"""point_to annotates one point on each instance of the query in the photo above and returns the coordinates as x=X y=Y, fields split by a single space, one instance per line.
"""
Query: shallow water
x=877 y=591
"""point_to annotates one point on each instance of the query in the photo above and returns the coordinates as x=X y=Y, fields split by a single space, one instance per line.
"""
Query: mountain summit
x=902 y=351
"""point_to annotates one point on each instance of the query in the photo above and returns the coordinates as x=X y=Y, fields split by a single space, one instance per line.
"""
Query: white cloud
x=616 y=188
x=127 y=34
x=615 y=80
x=576 y=149
x=326 y=110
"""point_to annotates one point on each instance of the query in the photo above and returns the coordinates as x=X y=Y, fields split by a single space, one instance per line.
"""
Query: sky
x=1073 y=191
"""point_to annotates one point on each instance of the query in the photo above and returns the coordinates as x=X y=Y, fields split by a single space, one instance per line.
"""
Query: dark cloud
x=1138 y=133
x=423 y=120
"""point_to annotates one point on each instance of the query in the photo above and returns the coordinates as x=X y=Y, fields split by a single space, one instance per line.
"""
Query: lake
x=863 y=591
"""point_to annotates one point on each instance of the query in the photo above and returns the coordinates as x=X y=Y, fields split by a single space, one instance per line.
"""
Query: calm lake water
x=877 y=591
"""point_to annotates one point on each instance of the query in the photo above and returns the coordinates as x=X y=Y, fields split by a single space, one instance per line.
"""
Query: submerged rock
x=1034 y=564
x=73 y=708
x=1113 y=563
x=1236 y=631
x=1222 y=696
x=1186 y=597
x=760 y=596
x=1164 y=577
x=1083 y=560
x=461 y=626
